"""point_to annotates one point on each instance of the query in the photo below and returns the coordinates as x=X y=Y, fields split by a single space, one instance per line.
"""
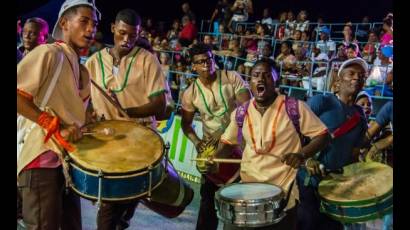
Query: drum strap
x=285 y=202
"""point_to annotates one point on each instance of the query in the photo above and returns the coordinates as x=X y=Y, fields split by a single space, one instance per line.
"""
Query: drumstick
x=105 y=131
x=114 y=103
x=221 y=160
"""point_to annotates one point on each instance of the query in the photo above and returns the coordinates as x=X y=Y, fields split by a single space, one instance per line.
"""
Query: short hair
x=199 y=48
x=41 y=23
x=388 y=20
x=271 y=64
x=129 y=17
x=288 y=43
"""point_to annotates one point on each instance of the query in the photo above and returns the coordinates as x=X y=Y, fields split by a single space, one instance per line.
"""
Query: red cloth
x=188 y=32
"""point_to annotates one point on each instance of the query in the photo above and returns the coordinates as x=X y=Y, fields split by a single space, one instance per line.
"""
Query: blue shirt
x=385 y=114
x=333 y=113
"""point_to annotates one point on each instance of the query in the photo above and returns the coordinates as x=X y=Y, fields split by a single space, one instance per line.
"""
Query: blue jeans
x=388 y=222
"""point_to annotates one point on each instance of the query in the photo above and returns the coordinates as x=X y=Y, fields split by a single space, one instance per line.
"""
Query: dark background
x=166 y=10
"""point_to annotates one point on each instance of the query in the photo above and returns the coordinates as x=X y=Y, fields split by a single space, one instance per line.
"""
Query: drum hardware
x=100 y=178
x=167 y=146
x=149 y=182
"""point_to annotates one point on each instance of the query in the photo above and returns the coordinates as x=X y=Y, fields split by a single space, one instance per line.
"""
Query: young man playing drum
x=52 y=94
x=273 y=150
x=215 y=94
x=347 y=123
x=134 y=75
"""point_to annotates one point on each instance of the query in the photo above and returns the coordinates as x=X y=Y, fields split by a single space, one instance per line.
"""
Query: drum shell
x=115 y=187
x=249 y=213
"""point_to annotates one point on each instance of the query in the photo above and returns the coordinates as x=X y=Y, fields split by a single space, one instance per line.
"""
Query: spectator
x=379 y=72
x=306 y=42
x=240 y=30
x=35 y=32
x=369 y=50
x=348 y=36
x=156 y=45
x=319 y=75
x=364 y=100
x=172 y=34
x=302 y=66
x=362 y=29
x=334 y=66
x=285 y=59
x=351 y=51
x=326 y=45
x=302 y=23
x=280 y=31
x=290 y=25
x=188 y=32
x=297 y=35
x=317 y=29
x=208 y=40
x=241 y=10
x=221 y=14
x=267 y=53
x=264 y=37
x=267 y=19
x=164 y=44
x=387 y=37
x=186 y=9
x=165 y=63
x=150 y=27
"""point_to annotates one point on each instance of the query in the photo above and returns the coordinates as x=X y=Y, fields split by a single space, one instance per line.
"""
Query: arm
x=156 y=107
x=214 y=15
x=187 y=119
x=250 y=7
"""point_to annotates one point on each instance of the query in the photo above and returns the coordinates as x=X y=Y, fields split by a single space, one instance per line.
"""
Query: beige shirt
x=230 y=84
x=67 y=101
x=268 y=167
x=145 y=79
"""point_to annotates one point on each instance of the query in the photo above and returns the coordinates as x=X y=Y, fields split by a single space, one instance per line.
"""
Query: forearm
x=190 y=133
x=27 y=108
x=153 y=108
x=316 y=144
x=384 y=143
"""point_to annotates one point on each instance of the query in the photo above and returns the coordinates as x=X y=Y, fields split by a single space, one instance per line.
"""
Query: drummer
x=347 y=123
x=273 y=150
x=39 y=166
x=214 y=94
x=134 y=75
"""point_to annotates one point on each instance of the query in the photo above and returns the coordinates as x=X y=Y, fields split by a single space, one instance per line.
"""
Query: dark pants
x=115 y=216
x=309 y=216
x=45 y=203
x=207 y=219
x=287 y=223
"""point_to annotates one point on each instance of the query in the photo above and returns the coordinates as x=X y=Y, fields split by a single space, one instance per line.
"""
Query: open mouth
x=125 y=46
x=88 y=38
x=260 y=90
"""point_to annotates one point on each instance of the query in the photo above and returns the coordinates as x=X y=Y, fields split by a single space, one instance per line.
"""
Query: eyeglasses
x=202 y=61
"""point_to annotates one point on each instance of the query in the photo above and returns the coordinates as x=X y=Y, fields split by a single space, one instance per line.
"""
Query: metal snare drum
x=250 y=204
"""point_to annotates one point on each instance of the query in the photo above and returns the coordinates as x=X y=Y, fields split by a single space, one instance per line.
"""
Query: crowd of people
x=252 y=61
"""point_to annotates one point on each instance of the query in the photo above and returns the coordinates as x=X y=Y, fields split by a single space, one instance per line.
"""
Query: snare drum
x=250 y=204
x=363 y=192
x=119 y=167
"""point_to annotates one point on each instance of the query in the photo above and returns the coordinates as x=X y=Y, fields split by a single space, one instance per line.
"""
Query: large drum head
x=249 y=191
x=359 y=182
x=131 y=148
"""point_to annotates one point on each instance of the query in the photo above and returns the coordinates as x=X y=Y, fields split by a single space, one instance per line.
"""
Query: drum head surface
x=132 y=147
x=250 y=191
x=360 y=181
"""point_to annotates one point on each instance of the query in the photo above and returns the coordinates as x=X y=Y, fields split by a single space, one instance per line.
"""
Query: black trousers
x=207 y=219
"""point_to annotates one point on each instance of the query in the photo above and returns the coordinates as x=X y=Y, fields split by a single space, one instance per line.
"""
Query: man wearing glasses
x=214 y=94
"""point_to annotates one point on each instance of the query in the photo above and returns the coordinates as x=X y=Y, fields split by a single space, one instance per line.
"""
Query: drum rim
x=219 y=197
x=359 y=202
x=152 y=165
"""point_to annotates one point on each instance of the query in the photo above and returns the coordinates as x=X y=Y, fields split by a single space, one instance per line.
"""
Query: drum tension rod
x=100 y=178
x=167 y=146
x=149 y=182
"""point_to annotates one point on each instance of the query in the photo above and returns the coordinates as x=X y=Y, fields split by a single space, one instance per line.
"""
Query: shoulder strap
x=240 y=114
x=53 y=80
x=292 y=109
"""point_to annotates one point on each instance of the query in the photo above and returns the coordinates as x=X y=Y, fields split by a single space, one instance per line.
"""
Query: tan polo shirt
x=67 y=101
x=145 y=79
x=211 y=104
x=267 y=167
